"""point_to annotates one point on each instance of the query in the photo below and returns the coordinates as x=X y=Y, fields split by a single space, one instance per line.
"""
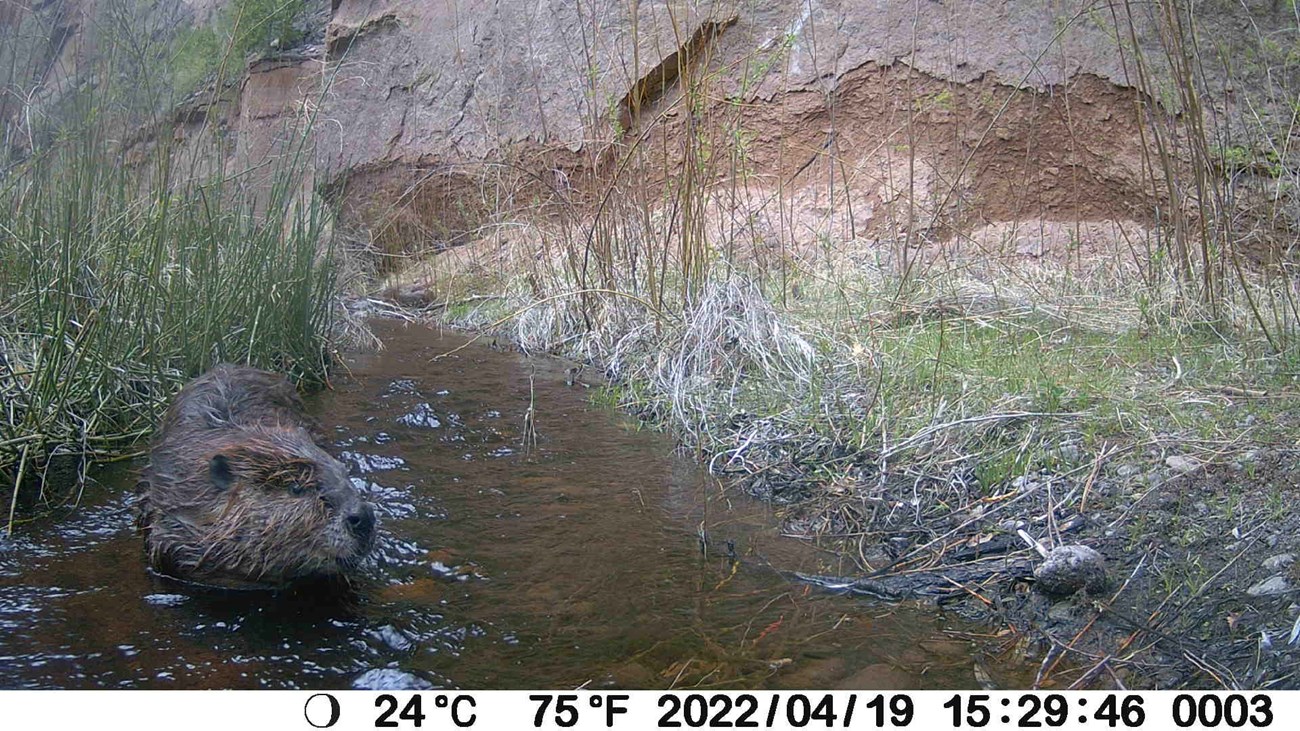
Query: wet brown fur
x=239 y=490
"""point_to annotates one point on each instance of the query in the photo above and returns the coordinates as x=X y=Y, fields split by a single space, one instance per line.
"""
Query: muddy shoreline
x=1202 y=577
x=1202 y=588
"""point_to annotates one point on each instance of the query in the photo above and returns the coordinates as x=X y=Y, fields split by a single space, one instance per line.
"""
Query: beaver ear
x=220 y=472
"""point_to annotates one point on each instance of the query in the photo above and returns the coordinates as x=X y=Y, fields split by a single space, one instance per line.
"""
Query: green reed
x=119 y=280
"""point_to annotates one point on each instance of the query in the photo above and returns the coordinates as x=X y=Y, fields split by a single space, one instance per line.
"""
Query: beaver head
x=261 y=504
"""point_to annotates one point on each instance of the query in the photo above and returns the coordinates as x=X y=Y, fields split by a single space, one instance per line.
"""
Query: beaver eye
x=298 y=488
x=220 y=471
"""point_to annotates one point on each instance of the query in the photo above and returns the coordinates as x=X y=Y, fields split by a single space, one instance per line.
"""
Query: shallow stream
x=578 y=552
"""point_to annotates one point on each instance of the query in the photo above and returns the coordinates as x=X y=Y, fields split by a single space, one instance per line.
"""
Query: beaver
x=240 y=492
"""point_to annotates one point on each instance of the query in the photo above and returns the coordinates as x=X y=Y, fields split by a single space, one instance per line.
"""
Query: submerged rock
x=166 y=600
x=389 y=679
x=421 y=416
x=394 y=638
x=1067 y=569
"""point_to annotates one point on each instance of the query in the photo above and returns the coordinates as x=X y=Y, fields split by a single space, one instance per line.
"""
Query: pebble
x=1272 y=586
x=1062 y=611
x=1182 y=463
x=1025 y=483
x=1069 y=568
x=1278 y=562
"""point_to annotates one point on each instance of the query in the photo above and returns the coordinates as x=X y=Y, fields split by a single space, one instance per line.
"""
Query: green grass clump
x=119 y=283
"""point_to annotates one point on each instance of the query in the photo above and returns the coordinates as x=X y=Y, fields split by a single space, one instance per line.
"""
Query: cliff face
x=38 y=53
x=462 y=80
x=431 y=119
x=979 y=112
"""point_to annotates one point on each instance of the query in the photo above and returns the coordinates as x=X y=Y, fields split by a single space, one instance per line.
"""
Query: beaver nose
x=360 y=520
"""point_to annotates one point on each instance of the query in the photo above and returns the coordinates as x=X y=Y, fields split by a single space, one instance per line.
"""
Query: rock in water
x=1067 y=569
x=389 y=679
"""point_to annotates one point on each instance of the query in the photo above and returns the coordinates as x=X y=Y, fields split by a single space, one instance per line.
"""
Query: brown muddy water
x=591 y=556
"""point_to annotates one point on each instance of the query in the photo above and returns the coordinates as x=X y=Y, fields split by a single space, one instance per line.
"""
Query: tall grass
x=1218 y=125
x=123 y=275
